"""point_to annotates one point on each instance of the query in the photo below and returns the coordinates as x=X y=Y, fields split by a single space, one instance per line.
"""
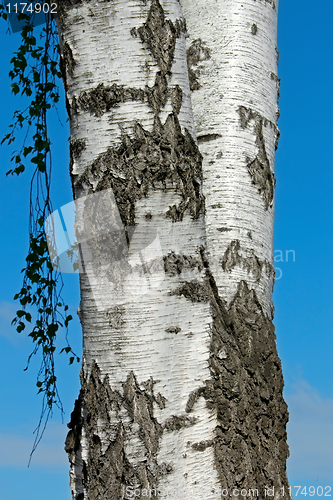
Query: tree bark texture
x=181 y=384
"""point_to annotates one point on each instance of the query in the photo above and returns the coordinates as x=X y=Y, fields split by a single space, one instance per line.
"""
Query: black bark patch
x=223 y=229
x=103 y=98
x=116 y=317
x=139 y=405
x=193 y=290
x=158 y=95
x=149 y=160
x=246 y=392
x=76 y=147
x=245 y=115
x=75 y=150
x=66 y=63
x=68 y=57
x=278 y=82
x=231 y=256
x=175 y=423
x=176 y=99
x=259 y=167
x=175 y=263
x=197 y=52
x=173 y=329
x=193 y=398
x=108 y=470
x=251 y=262
x=202 y=445
x=208 y=137
x=160 y=36
x=254 y=29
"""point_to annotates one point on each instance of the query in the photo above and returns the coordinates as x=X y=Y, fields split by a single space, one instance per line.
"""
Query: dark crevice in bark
x=197 y=52
x=75 y=149
x=193 y=398
x=232 y=258
x=208 y=137
x=259 y=167
x=65 y=64
x=278 y=81
x=246 y=392
x=139 y=405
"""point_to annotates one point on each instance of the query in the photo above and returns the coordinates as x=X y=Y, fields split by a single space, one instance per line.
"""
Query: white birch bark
x=166 y=401
x=233 y=59
x=158 y=347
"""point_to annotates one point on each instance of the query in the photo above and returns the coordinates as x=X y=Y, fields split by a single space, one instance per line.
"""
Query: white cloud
x=15 y=449
x=310 y=434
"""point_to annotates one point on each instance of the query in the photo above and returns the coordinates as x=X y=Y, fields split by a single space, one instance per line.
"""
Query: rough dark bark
x=246 y=389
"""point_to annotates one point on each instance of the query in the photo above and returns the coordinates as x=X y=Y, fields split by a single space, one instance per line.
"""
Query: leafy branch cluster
x=35 y=74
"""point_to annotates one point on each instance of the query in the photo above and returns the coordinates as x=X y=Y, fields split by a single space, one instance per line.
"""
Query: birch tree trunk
x=232 y=60
x=181 y=382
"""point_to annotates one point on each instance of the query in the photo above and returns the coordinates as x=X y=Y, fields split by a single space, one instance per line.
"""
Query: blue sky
x=303 y=295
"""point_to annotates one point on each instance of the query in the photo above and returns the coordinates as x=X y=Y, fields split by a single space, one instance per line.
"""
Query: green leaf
x=27 y=150
x=20 y=327
x=15 y=88
x=68 y=319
